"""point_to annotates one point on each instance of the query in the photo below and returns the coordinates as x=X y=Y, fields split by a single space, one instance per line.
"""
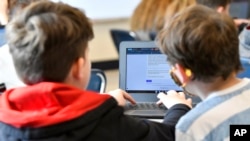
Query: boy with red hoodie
x=49 y=45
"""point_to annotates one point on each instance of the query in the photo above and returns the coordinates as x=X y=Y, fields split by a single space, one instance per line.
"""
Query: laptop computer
x=143 y=73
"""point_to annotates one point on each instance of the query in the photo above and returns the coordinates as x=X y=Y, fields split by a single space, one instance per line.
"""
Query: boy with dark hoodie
x=49 y=45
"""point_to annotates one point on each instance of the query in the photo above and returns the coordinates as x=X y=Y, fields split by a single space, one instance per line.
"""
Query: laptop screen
x=147 y=71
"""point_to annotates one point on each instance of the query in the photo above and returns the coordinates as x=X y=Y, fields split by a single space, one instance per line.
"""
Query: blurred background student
x=148 y=18
x=177 y=6
x=223 y=6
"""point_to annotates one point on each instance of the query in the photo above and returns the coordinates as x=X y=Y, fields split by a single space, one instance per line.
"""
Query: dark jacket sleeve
x=175 y=113
x=146 y=130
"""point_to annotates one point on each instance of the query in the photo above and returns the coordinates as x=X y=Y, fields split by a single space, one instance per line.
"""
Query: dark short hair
x=202 y=40
x=46 y=39
x=214 y=3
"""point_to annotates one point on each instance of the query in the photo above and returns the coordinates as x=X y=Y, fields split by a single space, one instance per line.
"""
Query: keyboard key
x=145 y=106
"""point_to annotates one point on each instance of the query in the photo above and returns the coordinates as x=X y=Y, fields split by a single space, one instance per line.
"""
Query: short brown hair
x=46 y=39
x=214 y=3
x=202 y=40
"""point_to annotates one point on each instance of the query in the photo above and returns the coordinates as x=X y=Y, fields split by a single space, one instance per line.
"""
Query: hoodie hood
x=46 y=104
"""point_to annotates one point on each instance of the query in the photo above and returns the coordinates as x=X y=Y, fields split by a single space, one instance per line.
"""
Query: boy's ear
x=220 y=9
x=183 y=74
x=77 y=68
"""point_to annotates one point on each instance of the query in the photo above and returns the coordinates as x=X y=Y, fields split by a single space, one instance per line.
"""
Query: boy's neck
x=203 y=89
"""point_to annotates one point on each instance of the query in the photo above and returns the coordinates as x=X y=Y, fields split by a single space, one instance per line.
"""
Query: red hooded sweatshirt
x=46 y=104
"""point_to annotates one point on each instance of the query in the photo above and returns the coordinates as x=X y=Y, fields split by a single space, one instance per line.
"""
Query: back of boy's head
x=202 y=40
x=46 y=39
x=214 y=3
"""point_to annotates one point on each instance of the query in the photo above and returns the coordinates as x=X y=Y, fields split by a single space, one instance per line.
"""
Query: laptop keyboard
x=145 y=106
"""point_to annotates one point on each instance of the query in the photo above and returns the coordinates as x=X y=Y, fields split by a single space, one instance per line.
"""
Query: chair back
x=2 y=36
x=97 y=81
x=152 y=35
x=246 y=65
x=119 y=35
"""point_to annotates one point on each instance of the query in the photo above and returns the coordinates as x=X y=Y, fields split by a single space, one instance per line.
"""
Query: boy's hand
x=238 y=22
x=121 y=97
x=172 y=98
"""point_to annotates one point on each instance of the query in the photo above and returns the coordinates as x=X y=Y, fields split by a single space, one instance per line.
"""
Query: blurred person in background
x=148 y=18
x=177 y=6
x=223 y=6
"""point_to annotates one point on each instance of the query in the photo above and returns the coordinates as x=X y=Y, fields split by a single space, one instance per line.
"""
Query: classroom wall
x=108 y=9
x=102 y=47
x=106 y=15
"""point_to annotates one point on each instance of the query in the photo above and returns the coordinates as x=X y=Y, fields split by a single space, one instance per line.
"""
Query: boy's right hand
x=172 y=98
x=121 y=97
x=238 y=22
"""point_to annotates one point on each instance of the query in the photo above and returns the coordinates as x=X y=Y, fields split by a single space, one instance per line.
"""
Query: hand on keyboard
x=172 y=98
x=121 y=97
